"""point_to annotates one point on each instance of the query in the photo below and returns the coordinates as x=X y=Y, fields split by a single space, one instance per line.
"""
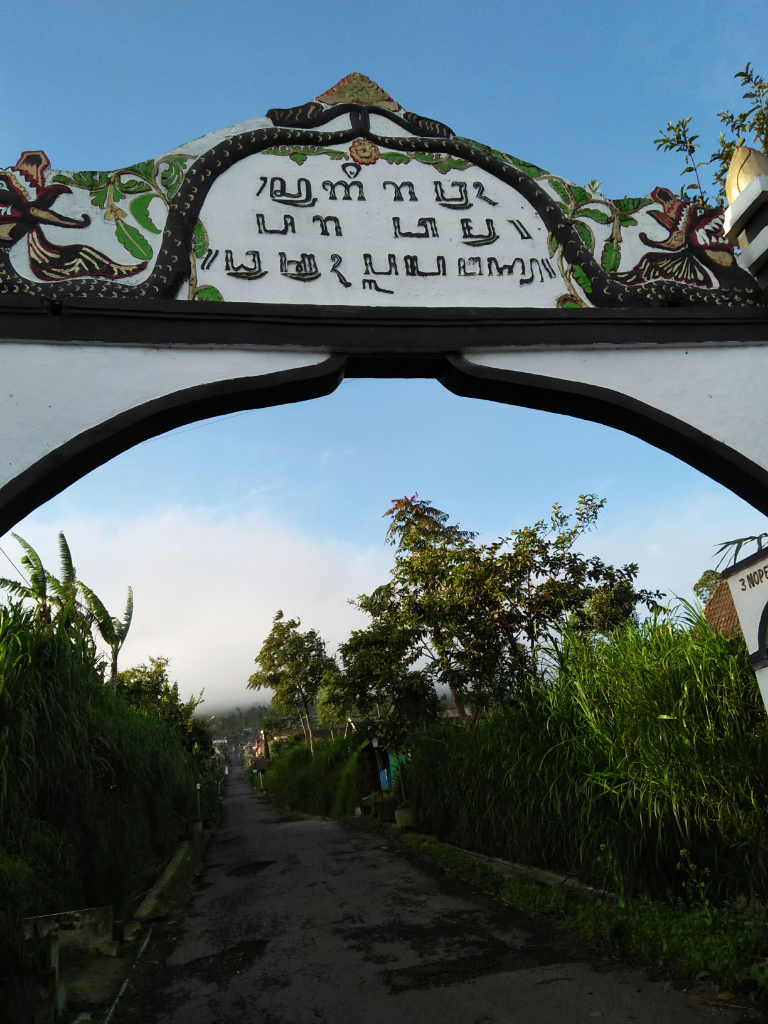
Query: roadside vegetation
x=626 y=750
x=97 y=781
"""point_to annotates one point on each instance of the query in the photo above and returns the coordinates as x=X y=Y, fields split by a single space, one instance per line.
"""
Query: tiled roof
x=720 y=611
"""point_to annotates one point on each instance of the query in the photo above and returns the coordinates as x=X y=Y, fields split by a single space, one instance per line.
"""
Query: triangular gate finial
x=356 y=88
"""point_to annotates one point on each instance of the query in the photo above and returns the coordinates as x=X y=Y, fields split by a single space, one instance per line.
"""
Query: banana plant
x=63 y=591
x=37 y=588
x=112 y=630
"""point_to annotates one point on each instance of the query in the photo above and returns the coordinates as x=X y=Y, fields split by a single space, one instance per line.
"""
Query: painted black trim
x=71 y=461
x=314 y=114
x=745 y=563
x=603 y=405
x=365 y=329
x=762 y=631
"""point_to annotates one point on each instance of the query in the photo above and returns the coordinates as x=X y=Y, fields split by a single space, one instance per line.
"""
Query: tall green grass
x=93 y=794
x=330 y=784
x=643 y=744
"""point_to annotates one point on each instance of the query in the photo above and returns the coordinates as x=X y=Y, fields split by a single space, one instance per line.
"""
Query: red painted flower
x=21 y=215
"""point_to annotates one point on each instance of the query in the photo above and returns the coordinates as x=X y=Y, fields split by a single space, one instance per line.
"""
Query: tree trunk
x=458 y=701
x=311 y=737
x=113 y=676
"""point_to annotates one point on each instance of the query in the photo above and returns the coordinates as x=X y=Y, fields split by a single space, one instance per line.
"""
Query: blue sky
x=218 y=525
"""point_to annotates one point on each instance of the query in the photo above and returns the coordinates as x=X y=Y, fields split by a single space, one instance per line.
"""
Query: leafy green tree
x=678 y=139
x=750 y=126
x=480 y=614
x=292 y=665
x=43 y=588
x=113 y=631
x=377 y=679
x=707 y=584
x=149 y=689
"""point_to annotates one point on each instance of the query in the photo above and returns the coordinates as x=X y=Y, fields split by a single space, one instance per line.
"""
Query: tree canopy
x=475 y=618
x=292 y=665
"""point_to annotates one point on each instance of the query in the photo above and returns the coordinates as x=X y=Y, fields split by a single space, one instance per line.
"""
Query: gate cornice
x=357 y=331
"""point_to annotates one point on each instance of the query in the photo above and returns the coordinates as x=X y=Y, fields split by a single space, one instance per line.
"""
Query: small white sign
x=748 y=582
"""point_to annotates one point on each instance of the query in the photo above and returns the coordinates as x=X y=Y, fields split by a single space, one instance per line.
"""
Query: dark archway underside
x=366 y=342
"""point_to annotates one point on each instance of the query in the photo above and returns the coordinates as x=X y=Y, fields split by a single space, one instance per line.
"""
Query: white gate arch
x=262 y=263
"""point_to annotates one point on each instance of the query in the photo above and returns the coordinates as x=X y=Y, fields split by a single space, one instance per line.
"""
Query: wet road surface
x=320 y=922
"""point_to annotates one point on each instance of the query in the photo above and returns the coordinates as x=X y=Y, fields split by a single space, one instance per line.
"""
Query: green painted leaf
x=628 y=205
x=586 y=234
x=579 y=194
x=62 y=179
x=90 y=179
x=598 y=215
x=199 y=240
x=146 y=168
x=581 y=278
x=523 y=165
x=565 y=208
x=396 y=158
x=133 y=240
x=559 y=188
x=140 y=209
x=173 y=173
x=626 y=221
x=569 y=302
x=209 y=294
x=100 y=198
x=117 y=193
x=552 y=242
x=300 y=153
x=134 y=186
x=611 y=257
x=441 y=162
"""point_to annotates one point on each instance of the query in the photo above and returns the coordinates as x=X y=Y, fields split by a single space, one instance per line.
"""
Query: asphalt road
x=320 y=922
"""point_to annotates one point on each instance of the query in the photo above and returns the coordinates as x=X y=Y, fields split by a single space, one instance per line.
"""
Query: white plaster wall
x=51 y=393
x=716 y=388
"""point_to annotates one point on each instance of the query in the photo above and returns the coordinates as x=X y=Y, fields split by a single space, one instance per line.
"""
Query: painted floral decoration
x=21 y=214
x=364 y=152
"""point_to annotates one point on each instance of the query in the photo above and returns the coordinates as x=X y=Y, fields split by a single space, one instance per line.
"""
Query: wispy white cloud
x=673 y=541
x=206 y=589
x=207 y=585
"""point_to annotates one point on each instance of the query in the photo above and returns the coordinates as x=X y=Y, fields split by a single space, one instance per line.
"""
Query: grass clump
x=328 y=784
x=94 y=793
x=643 y=743
x=727 y=943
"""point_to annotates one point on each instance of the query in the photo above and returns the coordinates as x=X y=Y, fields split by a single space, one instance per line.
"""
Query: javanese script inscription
x=363 y=234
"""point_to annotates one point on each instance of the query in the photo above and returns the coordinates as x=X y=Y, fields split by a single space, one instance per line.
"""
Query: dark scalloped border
x=171 y=269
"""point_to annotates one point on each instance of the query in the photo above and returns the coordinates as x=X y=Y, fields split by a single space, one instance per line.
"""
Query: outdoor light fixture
x=746 y=219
